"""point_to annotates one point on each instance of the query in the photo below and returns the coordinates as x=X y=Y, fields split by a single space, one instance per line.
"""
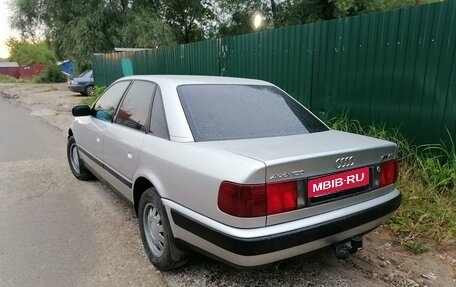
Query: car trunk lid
x=309 y=155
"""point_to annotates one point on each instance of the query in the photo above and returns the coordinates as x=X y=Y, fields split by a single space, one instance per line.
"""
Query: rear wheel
x=156 y=233
x=76 y=165
x=89 y=91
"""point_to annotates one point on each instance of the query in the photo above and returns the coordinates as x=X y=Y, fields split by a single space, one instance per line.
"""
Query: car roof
x=177 y=80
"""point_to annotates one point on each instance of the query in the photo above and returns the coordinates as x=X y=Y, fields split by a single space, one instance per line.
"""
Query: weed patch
x=427 y=181
x=9 y=79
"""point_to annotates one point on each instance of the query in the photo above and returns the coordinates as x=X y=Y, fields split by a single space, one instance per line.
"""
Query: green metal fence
x=395 y=67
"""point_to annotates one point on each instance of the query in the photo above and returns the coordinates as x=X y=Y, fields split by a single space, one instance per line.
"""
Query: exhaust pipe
x=342 y=251
x=281 y=265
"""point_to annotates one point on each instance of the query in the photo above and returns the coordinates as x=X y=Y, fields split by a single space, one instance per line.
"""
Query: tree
x=186 y=18
x=296 y=12
x=79 y=28
x=235 y=16
x=26 y=17
x=157 y=33
x=27 y=52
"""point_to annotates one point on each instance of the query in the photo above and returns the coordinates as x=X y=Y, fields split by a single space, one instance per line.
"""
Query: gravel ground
x=379 y=263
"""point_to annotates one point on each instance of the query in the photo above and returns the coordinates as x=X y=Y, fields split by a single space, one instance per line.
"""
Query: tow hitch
x=342 y=251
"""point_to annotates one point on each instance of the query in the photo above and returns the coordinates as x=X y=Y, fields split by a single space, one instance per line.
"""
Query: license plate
x=338 y=182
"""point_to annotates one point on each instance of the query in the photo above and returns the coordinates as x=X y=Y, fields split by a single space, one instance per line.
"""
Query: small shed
x=66 y=67
x=10 y=69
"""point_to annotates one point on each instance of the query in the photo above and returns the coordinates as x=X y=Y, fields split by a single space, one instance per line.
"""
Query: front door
x=123 y=139
x=91 y=133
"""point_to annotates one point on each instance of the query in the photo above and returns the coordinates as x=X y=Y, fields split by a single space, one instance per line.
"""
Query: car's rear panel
x=318 y=221
x=313 y=158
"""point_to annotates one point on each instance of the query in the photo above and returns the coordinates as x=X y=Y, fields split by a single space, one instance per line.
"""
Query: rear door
x=123 y=139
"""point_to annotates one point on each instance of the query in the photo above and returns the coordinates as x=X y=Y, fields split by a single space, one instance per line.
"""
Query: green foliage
x=414 y=246
x=295 y=12
x=9 y=79
x=78 y=28
x=96 y=94
x=27 y=52
x=427 y=181
x=184 y=17
x=156 y=34
x=241 y=13
x=26 y=17
x=97 y=91
x=51 y=74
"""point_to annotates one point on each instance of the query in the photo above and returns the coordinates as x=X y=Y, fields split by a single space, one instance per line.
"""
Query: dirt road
x=56 y=231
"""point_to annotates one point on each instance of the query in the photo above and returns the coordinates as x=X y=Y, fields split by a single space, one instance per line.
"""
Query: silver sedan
x=233 y=168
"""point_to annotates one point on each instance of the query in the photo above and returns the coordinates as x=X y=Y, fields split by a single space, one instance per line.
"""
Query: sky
x=5 y=30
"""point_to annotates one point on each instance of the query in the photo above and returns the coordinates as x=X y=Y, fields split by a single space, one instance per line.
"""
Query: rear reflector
x=252 y=200
x=388 y=173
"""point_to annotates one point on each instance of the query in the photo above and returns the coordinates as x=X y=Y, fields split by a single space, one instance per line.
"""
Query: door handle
x=129 y=155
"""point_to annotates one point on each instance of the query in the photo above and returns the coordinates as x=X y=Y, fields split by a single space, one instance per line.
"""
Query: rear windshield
x=228 y=112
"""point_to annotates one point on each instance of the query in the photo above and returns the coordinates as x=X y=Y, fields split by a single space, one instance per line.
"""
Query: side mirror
x=81 y=111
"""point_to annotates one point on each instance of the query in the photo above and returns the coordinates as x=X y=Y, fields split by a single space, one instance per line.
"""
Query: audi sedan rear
x=233 y=168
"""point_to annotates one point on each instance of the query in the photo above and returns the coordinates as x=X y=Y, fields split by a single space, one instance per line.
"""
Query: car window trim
x=149 y=114
x=120 y=102
x=146 y=126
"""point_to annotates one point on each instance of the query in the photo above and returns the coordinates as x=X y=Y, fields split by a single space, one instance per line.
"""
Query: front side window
x=106 y=106
x=228 y=112
x=134 y=109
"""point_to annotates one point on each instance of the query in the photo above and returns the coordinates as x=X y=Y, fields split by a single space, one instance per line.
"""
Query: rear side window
x=134 y=109
x=158 y=126
x=226 y=112
x=106 y=106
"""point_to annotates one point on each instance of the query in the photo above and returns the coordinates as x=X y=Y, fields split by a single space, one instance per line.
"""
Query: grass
x=427 y=181
x=9 y=79
x=415 y=247
x=96 y=94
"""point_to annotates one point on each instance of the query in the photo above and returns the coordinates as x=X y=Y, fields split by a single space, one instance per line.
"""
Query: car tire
x=156 y=234
x=76 y=165
x=89 y=91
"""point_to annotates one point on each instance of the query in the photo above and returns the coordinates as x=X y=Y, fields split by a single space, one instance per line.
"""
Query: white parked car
x=234 y=168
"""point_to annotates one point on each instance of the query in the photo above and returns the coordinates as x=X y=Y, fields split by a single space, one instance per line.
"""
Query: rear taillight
x=282 y=197
x=243 y=200
x=251 y=200
x=388 y=173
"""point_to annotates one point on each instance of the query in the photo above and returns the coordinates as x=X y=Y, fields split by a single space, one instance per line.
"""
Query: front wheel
x=76 y=165
x=156 y=233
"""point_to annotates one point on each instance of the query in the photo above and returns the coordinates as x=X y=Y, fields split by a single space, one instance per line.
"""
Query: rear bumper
x=77 y=88
x=305 y=235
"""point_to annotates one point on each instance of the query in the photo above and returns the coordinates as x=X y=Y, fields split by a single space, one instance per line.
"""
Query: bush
x=51 y=74
x=97 y=91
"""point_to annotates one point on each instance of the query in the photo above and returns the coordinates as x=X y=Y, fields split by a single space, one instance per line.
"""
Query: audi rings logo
x=344 y=162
